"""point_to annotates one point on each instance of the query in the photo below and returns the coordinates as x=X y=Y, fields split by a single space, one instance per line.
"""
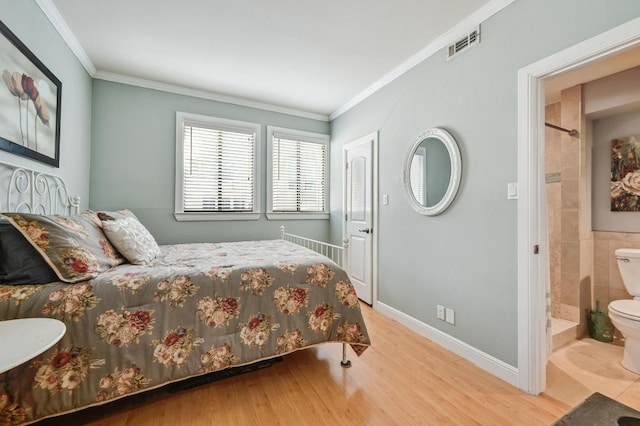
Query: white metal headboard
x=32 y=191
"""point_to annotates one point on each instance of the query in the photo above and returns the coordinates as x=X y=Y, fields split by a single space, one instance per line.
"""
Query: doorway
x=533 y=268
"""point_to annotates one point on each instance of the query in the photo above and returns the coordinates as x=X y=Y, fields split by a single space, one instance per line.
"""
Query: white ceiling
x=307 y=55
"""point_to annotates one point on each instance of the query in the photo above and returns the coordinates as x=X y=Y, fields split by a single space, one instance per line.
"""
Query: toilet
x=625 y=314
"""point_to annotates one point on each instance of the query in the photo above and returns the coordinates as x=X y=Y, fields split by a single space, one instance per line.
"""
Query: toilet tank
x=629 y=266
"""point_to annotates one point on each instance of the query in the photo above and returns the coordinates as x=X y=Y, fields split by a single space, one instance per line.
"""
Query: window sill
x=195 y=217
x=297 y=216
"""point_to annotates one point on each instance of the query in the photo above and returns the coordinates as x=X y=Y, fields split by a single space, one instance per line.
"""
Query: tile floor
x=585 y=366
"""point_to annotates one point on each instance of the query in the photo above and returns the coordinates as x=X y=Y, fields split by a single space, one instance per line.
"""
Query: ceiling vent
x=464 y=43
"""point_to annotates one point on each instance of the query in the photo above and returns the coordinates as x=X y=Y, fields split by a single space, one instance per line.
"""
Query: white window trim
x=301 y=136
x=179 y=212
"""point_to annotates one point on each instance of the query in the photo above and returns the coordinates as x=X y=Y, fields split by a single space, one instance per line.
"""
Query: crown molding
x=56 y=19
x=204 y=94
x=473 y=20
x=51 y=12
x=445 y=39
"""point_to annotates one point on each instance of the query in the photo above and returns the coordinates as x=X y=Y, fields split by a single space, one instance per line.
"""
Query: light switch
x=512 y=191
x=385 y=199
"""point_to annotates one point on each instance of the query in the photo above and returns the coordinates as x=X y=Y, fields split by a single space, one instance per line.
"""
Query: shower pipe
x=574 y=133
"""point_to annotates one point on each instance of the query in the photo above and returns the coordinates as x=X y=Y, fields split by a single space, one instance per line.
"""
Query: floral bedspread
x=198 y=308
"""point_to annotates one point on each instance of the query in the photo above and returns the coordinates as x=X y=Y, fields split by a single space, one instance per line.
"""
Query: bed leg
x=345 y=363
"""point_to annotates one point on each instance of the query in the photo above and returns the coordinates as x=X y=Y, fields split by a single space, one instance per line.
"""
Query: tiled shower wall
x=570 y=236
x=553 y=179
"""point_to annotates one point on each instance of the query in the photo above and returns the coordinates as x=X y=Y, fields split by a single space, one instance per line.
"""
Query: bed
x=140 y=316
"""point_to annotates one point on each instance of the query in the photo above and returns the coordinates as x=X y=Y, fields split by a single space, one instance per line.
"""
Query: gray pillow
x=74 y=247
x=129 y=236
x=20 y=262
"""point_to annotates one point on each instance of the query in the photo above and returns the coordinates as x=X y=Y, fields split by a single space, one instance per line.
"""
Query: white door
x=359 y=213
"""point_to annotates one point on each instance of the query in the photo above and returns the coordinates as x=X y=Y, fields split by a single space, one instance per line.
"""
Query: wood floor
x=403 y=379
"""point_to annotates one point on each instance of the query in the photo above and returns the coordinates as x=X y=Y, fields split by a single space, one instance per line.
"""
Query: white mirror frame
x=454 y=180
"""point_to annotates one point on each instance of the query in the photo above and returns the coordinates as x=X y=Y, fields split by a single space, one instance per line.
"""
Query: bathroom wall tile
x=601 y=294
x=570 y=194
x=569 y=224
x=553 y=198
x=570 y=290
x=570 y=257
x=621 y=236
x=570 y=312
x=623 y=242
x=601 y=251
x=618 y=293
x=553 y=156
x=570 y=172
x=570 y=153
x=552 y=139
x=552 y=227
x=571 y=108
x=610 y=236
x=555 y=267
x=586 y=258
x=572 y=95
x=615 y=279
x=630 y=244
x=632 y=237
x=601 y=274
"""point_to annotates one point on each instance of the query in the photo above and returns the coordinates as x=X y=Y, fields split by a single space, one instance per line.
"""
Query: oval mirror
x=432 y=171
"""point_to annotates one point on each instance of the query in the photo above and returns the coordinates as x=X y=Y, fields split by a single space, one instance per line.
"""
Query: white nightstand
x=25 y=338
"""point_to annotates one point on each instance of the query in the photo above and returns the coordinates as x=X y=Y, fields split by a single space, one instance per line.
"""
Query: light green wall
x=27 y=21
x=464 y=259
x=133 y=162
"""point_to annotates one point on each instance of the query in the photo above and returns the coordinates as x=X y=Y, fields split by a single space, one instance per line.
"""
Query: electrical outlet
x=450 y=316
x=440 y=312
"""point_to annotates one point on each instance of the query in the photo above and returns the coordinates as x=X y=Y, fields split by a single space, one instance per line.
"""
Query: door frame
x=532 y=344
x=373 y=136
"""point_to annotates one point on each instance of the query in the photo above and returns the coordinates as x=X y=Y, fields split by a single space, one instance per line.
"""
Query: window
x=216 y=168
x=297 y=174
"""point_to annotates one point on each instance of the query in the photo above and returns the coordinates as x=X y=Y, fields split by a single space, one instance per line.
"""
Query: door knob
x=365 y=230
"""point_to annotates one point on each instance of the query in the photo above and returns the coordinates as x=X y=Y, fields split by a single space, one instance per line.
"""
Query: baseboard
x=498 y=368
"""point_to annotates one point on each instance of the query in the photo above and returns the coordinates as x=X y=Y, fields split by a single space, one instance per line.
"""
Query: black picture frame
x=30 y=101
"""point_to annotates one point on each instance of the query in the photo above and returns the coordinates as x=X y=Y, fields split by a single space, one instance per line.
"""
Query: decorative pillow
x=129 y=236
x=74 y=246
x=20 y=263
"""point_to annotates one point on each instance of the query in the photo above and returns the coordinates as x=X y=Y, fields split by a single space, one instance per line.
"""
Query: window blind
x=299 y=175
x=218 y=169
x=417 y=176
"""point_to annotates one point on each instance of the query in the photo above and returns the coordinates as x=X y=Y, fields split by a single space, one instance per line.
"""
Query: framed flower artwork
x=625 y=174
x=30 y=98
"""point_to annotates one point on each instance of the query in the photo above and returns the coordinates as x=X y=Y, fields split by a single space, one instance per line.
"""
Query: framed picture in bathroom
x=625 y=174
